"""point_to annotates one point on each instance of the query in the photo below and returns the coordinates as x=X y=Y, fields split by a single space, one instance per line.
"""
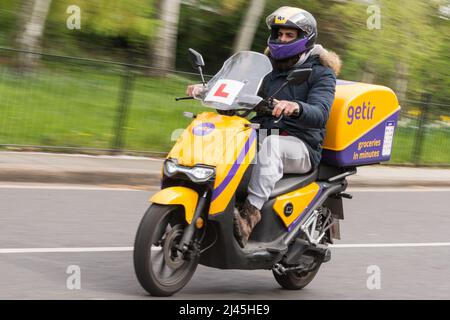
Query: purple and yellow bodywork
x=360 y=131
x=226 y=143
x=299 y=200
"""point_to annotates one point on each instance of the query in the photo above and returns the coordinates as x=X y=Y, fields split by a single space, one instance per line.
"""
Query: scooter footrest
x=277 y=249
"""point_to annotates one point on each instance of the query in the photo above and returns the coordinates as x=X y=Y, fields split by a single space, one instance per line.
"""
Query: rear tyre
x=160 y=268
x=296 y=280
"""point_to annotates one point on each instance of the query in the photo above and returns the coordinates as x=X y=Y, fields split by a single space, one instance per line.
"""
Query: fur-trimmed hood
x=328 y=58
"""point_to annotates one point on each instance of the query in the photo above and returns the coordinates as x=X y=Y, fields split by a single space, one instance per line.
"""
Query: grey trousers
x=277 y=155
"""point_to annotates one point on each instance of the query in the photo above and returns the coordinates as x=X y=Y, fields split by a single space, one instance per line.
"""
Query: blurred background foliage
x=57 y=99
x=107 y=27
x=409 y=52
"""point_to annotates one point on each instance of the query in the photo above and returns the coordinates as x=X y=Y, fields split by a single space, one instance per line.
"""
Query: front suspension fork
x=186 y=241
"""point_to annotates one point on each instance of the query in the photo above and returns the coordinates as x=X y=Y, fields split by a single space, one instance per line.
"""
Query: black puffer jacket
x=315 y=96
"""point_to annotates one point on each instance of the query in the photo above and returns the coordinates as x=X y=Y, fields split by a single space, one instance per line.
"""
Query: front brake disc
x=172 y=256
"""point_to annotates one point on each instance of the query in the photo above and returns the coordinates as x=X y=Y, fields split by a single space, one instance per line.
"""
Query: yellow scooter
x=205 y=177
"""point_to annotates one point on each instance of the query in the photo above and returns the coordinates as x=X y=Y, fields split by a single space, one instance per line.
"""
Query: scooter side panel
x=180 y=196
x=290 y=206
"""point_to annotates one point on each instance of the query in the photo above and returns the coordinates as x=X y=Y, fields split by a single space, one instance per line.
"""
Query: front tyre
x=160 y=268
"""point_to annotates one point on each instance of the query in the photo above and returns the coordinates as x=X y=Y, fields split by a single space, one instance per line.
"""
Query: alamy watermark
x=73 y=282
x=204 y=140
x=374 y=19
x=374 y=280
x=73 y=22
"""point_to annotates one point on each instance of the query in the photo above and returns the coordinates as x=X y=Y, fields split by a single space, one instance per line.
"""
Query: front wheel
x=160 y=267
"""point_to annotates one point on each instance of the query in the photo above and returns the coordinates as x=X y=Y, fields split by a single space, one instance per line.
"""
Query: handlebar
x=266 y=107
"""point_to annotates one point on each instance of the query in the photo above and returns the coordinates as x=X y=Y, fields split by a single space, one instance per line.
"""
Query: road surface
x=395 y=245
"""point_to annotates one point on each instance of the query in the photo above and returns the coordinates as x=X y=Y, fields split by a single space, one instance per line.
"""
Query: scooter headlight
x=171 y=167
x=196 y=173
x=202 y=173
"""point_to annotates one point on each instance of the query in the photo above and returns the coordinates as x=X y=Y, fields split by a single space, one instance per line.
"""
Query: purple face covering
x=281 y=51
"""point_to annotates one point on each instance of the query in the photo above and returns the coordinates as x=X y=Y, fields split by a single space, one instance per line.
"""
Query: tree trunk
x=32 y=22
x=165 y=44
x=246 y=33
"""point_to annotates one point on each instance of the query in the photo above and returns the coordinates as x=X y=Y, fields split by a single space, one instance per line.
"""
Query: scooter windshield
x=236 y=85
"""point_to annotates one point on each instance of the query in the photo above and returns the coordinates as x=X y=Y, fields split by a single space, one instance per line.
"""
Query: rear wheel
x=160 y=268
x=315 y=228
x=296 y=279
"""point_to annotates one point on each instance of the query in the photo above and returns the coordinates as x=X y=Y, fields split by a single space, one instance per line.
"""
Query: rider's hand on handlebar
x=194 y=90
x=285 y=107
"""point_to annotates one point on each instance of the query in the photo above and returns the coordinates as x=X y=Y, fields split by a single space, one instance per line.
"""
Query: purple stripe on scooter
x=234 y=167
x=300 y=217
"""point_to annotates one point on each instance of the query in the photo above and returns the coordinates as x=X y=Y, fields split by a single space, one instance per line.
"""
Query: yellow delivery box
x=361 y=126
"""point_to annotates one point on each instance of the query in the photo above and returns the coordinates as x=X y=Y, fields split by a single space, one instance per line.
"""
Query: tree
x=210 y=27
x=165 y=42
x=397 y=53
x=246 y=32
x=31 y=23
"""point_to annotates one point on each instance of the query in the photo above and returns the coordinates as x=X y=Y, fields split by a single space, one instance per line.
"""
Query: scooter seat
x=291 y=182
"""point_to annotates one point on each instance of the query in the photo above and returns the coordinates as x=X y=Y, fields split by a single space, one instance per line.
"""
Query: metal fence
x=93 y=106
x=423 y=133
x=96 y=106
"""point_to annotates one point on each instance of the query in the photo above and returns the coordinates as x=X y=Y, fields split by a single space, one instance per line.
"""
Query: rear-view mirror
x=298 y=76
x=196 y=59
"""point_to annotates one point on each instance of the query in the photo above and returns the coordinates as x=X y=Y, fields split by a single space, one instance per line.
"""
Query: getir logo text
x=364 y=112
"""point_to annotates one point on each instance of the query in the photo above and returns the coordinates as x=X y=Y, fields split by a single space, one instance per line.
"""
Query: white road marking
x=410 y=189
x=122 y=249
x=67 y=187
x=391 y=245
x=66 y=250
